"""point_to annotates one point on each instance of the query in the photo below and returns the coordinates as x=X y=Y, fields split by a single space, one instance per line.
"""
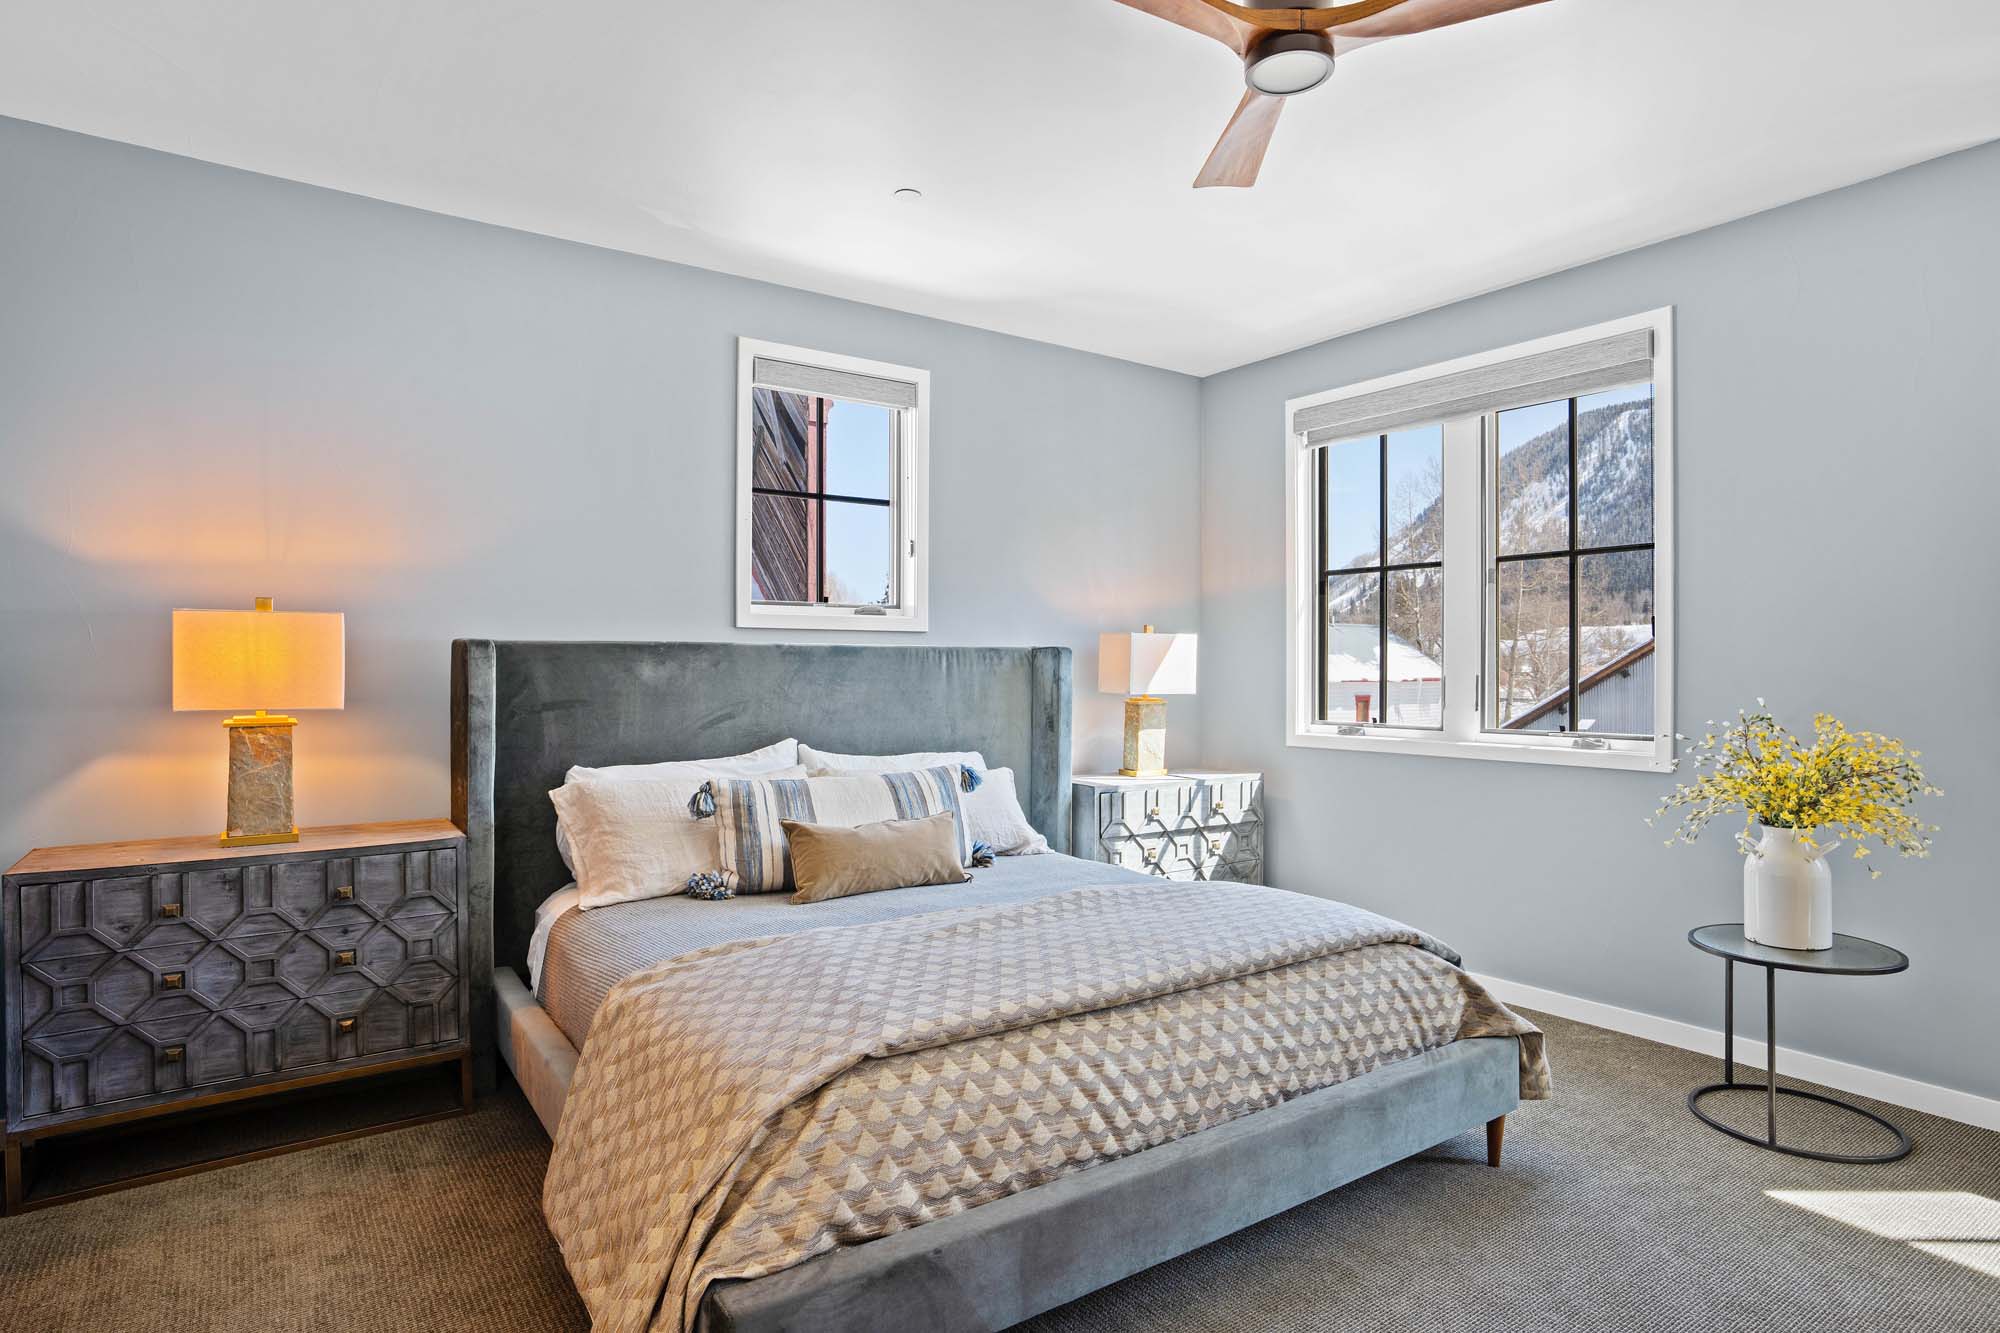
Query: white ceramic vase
x=1788 y=892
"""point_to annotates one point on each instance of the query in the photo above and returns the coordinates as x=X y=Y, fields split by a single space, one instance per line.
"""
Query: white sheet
x=562 y=900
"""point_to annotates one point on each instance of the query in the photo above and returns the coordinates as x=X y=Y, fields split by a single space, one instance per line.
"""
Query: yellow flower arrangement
x=1853 y=783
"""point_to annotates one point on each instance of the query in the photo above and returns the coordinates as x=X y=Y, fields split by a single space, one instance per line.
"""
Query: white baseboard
x=1950 y=1103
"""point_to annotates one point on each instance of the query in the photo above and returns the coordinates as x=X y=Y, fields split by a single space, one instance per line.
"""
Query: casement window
x=830 y=514
x=1479 y=555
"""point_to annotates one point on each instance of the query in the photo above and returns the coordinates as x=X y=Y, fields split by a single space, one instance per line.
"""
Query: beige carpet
x=1616 y=1210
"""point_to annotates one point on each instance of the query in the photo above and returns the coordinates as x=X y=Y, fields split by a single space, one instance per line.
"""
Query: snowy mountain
x=1614 y=459
x=1614 y=494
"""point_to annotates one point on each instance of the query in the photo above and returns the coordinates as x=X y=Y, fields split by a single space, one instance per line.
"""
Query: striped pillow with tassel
x=749 y=815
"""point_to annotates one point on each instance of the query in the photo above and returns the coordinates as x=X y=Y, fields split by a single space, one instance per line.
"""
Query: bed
x=522 y=713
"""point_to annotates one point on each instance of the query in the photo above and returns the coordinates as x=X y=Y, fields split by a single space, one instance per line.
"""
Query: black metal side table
x=1850 y=956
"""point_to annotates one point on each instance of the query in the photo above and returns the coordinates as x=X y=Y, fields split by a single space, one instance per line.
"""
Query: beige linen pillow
x=776 y=760
x=830 y=862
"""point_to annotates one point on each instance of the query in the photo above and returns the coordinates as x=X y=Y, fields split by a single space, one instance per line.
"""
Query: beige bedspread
x=743 y=1108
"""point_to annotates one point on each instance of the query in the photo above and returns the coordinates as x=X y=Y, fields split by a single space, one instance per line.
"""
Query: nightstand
x=148 y=980
x=1183 y=826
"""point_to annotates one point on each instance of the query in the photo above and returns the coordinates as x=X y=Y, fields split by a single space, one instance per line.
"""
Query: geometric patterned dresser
x=1186 y=826
x=148 y=978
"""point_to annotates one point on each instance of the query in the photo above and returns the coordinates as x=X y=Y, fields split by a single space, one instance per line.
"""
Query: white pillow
x=824 y=763
x=778 y=755
x=636 y=838
x=994 y=816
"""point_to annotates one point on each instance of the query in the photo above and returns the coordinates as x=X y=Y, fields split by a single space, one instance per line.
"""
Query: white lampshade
x=240 y=660
x=1146 y=663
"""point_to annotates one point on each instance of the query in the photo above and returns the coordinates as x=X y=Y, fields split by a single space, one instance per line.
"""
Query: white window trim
x=912 y=501
x=1465 y=595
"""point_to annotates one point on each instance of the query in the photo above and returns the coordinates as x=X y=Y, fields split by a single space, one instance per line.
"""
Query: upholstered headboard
x=522 y=713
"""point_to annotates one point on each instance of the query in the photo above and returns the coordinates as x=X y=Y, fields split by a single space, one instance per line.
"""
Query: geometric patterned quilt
x=740 y=1109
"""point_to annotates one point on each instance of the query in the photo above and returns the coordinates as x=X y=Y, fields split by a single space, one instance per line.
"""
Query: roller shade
x=1604 y=363
x=822 y=383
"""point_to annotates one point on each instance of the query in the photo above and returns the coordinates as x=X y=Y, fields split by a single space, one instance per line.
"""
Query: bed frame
x=523 y=712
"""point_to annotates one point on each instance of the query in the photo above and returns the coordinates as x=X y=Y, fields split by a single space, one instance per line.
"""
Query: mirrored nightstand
x=1189 y=825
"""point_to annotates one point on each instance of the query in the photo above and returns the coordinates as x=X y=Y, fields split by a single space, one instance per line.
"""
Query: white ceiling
x=1054 y=140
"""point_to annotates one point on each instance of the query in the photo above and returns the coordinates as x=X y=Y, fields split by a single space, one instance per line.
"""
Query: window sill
x=1638 y=756
x=827 y=618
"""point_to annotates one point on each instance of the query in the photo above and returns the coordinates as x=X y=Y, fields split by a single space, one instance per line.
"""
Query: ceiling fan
x=1290 y=49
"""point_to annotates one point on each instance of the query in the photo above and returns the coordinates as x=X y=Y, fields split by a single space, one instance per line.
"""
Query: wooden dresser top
x=328 y=838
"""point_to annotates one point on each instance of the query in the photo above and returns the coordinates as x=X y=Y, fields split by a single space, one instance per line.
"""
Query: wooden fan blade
x=1410 y=16
x=1239 y=153
x=1203 y=18
x=1296 y=20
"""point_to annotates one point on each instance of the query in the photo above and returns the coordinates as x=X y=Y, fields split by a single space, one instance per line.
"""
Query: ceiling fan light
x=1289 y=62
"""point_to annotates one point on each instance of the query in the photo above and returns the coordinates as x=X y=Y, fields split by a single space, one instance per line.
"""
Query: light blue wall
x=1838 y=481
x=215 y=384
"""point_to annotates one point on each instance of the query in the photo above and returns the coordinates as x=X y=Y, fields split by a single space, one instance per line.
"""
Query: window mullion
x=1320 y=558
x=1382 y=583
x=1575 y=607
x=1464 y=578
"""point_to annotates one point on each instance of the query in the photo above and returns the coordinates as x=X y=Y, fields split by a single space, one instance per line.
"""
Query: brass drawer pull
x=170 y=909
x=1219 y=808
x=1153 y=813
x=343 y=1025
x=344 y=894
x=171 y=980
x=172 y=1054
x=343 y=958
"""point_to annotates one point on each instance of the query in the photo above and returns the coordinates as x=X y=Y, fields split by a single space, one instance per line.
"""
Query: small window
x=830 y=522
x=1479 y=555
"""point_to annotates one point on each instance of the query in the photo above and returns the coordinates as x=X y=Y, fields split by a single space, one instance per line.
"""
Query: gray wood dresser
x=1189 y=825
x=149 y=979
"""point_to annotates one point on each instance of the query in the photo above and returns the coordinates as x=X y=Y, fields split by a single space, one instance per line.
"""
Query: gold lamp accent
x=1142 y=667
x=233 y=661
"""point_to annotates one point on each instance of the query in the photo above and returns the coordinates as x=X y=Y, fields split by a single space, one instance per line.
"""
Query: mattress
x=588 y=953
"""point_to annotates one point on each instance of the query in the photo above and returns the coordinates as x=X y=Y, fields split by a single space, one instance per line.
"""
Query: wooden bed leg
x=1495 y=1129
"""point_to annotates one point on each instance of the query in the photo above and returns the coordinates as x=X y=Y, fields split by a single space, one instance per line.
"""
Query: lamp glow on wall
x=236 y=661
x=1142 y=667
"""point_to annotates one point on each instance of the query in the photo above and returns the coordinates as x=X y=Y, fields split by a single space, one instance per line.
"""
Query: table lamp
x=228 y=661
x=1143 y=666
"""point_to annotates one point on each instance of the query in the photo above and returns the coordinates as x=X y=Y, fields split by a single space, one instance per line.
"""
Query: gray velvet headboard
x=523 y=712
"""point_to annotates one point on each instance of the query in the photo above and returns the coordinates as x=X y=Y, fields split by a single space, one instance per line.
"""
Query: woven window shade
x=1605 y=363
x=792 y=377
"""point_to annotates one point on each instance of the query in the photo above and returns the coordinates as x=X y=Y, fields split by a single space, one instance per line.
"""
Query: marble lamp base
x=1145 y=737
x=260 y=781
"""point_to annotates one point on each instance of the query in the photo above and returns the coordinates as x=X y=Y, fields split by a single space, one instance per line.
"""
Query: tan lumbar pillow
x=831 y=862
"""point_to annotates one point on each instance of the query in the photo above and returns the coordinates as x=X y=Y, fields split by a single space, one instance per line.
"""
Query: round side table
x=1850 y=956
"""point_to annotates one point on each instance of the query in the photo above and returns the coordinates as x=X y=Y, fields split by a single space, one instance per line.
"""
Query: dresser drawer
x=76 y=1060
x=1233 y=852
x=1230 y=800
x=98 y=1069
x=120 y=912
x=1147 y=852
x=1140 y=811
x=77 y=991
